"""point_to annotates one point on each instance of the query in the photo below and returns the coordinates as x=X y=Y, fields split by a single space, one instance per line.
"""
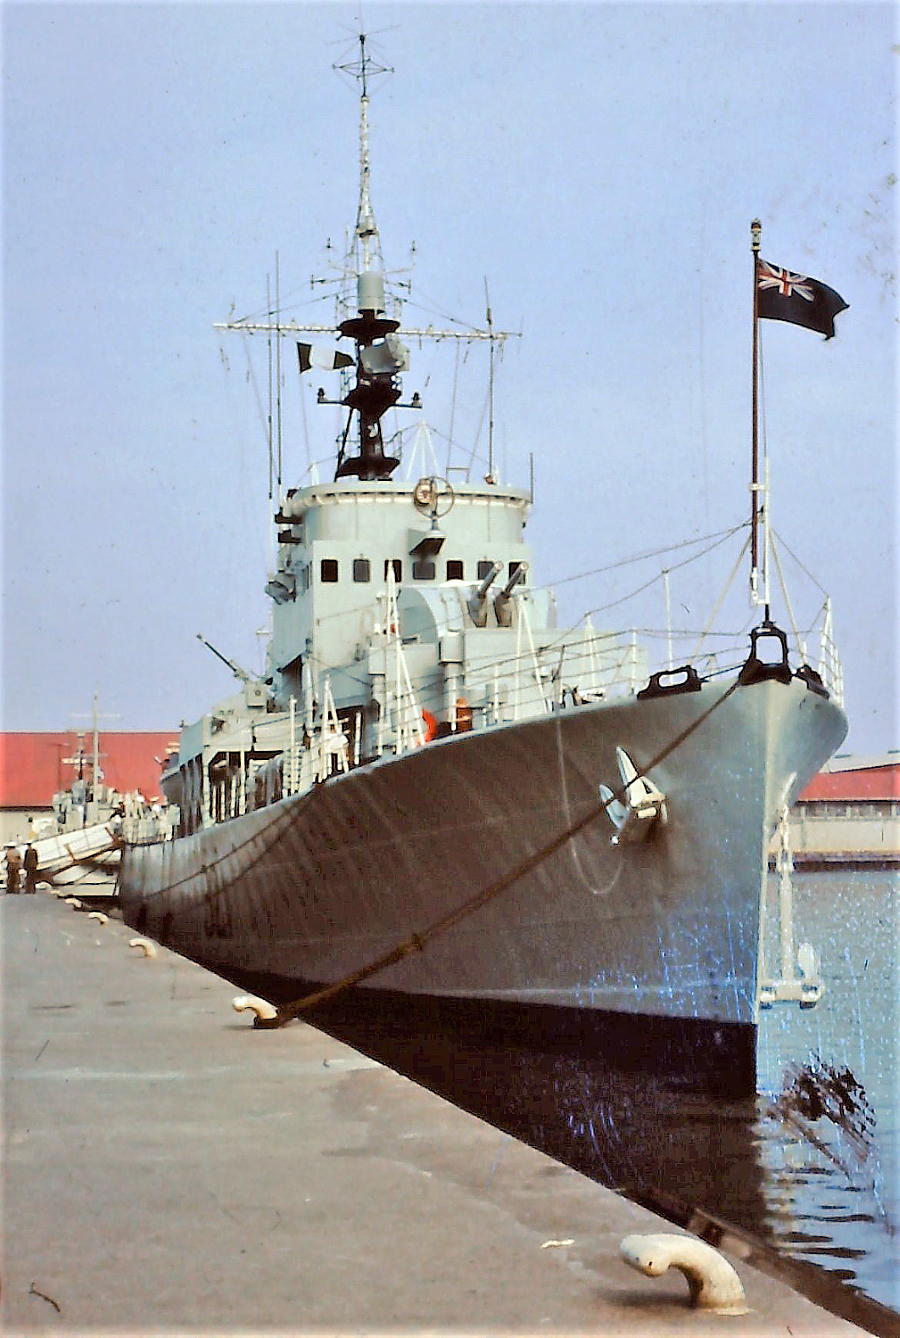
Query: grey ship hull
x=310 y=889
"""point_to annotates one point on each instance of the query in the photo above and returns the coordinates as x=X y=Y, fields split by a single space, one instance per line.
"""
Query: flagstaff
x=755 y=236
x=779 y=295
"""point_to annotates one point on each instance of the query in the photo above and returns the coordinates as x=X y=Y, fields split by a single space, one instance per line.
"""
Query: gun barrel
x=486 y=583
x=517 y=576
x=235 y=668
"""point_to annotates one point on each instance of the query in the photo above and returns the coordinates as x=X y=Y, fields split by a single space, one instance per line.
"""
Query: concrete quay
x=170 y=1169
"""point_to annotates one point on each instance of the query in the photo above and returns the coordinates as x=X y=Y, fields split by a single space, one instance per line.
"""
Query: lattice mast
x=366 y=238
x=380 y=356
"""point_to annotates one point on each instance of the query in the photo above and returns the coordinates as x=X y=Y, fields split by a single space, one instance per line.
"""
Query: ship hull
x=659 y=938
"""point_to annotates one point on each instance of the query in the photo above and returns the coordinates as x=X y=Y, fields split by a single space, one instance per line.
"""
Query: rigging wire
x=452 y=409
x=436 y=311
x=254 y=385
x=609 y=643
x=720 y=536
x=803 y=568
x=306 y=443
x=601 y=608
x=269 y=376
x=801 y=648
x=722 y=597
x=284 y=306
x=431 y=695
x=641 y=557
x=278 y=381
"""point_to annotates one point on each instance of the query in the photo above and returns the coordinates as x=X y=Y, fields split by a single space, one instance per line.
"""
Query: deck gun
x=477 y=603
x=255 y=691
x=503 y=601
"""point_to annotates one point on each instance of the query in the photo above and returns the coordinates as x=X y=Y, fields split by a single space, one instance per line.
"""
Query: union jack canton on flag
x=784 y=296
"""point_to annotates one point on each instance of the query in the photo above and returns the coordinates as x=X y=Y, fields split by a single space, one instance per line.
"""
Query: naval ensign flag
x=784 y=296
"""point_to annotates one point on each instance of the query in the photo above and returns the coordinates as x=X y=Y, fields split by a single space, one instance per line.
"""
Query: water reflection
x=809 y=1165
x=780 y=1170
x=828 y=1082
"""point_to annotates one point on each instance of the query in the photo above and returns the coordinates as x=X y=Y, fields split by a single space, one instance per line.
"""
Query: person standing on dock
x=13 y=868
x=30 y=863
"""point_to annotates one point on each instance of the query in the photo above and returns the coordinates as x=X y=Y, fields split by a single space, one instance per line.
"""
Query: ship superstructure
x=391 y=628
x=435 y=790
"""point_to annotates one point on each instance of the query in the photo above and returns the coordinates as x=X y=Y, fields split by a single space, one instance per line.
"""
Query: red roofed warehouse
x=850 y=813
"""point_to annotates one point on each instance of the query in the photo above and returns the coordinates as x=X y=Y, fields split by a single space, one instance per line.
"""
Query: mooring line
x=416 y=942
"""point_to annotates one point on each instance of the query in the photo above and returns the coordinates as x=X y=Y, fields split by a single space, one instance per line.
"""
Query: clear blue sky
x=600 y=164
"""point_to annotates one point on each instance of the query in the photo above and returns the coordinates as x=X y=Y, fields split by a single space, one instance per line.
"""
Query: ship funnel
x=370 y=291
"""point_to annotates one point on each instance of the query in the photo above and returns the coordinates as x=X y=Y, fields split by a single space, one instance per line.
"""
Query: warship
x=435 y=793
x=79 y=847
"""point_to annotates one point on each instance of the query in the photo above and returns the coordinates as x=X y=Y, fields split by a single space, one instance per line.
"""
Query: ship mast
x=366 y=235
x=380 y=356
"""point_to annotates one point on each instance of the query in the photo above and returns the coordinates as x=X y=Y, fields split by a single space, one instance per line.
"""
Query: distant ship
x=436 y=793
x=79 y=847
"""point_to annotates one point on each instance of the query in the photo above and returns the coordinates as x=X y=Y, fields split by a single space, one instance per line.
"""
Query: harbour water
x=810 y=1167
x=829 y=1147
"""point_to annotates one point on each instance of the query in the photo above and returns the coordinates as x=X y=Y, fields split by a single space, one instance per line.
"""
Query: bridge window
x=397 y=565
x=454 y=570
x=423 y=569
x=485 y=567
x=329 y=570
x=361 y=572
x=513 y=568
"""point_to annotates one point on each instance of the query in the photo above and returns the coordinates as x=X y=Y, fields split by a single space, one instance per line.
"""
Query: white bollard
x=714 y=1284
x=147 y=946
x=98 y=915
x=260 y=1007
x=74 y=903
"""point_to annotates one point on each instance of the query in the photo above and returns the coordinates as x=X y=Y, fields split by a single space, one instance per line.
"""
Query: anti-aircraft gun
x=256 y=692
